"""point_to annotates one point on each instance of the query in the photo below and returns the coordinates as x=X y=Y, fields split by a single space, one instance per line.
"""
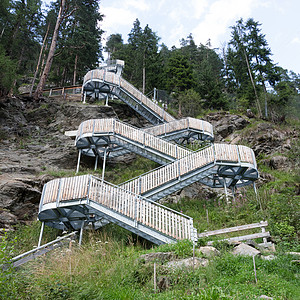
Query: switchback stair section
x=74 y=202
x=100 y=81
x=70 y=202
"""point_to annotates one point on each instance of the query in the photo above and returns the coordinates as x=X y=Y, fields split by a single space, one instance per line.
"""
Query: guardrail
x=193 y=161
x=263 y=234
x=112 y=78
x=87 y=187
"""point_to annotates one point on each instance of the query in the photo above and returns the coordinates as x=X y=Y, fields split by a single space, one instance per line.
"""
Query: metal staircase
x=75 y=202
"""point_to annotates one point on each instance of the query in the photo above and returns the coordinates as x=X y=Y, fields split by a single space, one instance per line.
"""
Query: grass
x=107 y=266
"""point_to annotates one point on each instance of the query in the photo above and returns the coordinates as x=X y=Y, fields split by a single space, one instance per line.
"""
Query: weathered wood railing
x=113 y=126
x=112 y=78
x=263 y=234
x=89 y=188
x=193 y=161
x=183 y=124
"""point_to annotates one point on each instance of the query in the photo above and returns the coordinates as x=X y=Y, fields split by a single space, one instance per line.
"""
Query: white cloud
x=198 y=8
x=138 y=4
x=295 y=40
x=221 y=15
x=116 y=16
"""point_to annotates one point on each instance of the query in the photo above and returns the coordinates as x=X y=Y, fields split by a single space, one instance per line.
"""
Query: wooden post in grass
x=207 y=217
x=154 y=278
x=253 y=257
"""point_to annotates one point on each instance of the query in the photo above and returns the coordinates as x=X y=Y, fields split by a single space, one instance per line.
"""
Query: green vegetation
x=107 y=266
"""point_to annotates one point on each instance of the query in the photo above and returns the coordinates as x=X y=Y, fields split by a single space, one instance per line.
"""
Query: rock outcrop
x=33 y=142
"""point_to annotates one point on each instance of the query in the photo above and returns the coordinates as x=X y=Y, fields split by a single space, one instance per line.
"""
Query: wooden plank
x=232 y=229
x=249 y=237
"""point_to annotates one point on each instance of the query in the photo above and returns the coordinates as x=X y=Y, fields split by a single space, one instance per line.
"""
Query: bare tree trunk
x=144 y=73
x=63 y=76
x=253 y=84
x=41 y=85
x=75 y=70
x=39 y=61
x=265 y=90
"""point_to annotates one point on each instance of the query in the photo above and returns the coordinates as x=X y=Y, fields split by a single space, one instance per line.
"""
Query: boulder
x=157 y=256
x=268 y=257
x=187 y=263
x=7 y=219
x=265 y=297
x=209 y=251
x=245 y=250
x=278 y=162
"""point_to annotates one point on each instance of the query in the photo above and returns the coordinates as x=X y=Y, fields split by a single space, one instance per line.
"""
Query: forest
x=56 y=45
x=247 y=97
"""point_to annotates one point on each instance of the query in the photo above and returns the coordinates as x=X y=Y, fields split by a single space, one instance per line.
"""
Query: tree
x=113 y=44
x=179 y=75
x=249 y=62
x=62 y=14
x=7 y=72
x=141 y=56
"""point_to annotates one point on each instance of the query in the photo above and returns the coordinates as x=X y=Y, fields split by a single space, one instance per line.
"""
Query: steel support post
x=226 y=193
x=104 y=161
x=78 y=162
x=233 y=193
x=41 y=234
x=96 y=162
x=106 y=101
x=256 y=195
x=84 y=97
x=80 y=234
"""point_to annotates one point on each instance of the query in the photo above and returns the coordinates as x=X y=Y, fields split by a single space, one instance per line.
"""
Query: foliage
x=7 y=276
x=7 y=72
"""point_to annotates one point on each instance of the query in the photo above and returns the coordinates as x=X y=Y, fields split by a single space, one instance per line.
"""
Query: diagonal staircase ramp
x=87 y=195
x=183 y=128
x=92 y=134
x=200 y=165
x=118 y=86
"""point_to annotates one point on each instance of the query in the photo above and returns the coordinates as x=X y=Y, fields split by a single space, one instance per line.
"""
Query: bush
x=7 y=73
x=7 y=276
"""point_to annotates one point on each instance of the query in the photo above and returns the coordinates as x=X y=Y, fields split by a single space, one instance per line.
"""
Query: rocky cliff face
x=33 y=142
x=33 y=145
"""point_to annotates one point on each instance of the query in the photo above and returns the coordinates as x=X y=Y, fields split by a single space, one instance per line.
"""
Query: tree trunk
x=41 y=85
x=39 y=61
x=75 y=69
x=144 y=75
x=253 y=85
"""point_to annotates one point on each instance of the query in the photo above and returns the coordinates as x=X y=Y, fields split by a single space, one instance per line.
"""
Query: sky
x=173 y=20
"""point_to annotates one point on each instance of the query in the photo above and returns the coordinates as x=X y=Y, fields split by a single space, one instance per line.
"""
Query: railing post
x=88 y=189
x=238 y=153
x=214 y=151
x=140 y=185
x=135 y=211
x=263 y=230
x=58 y=193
